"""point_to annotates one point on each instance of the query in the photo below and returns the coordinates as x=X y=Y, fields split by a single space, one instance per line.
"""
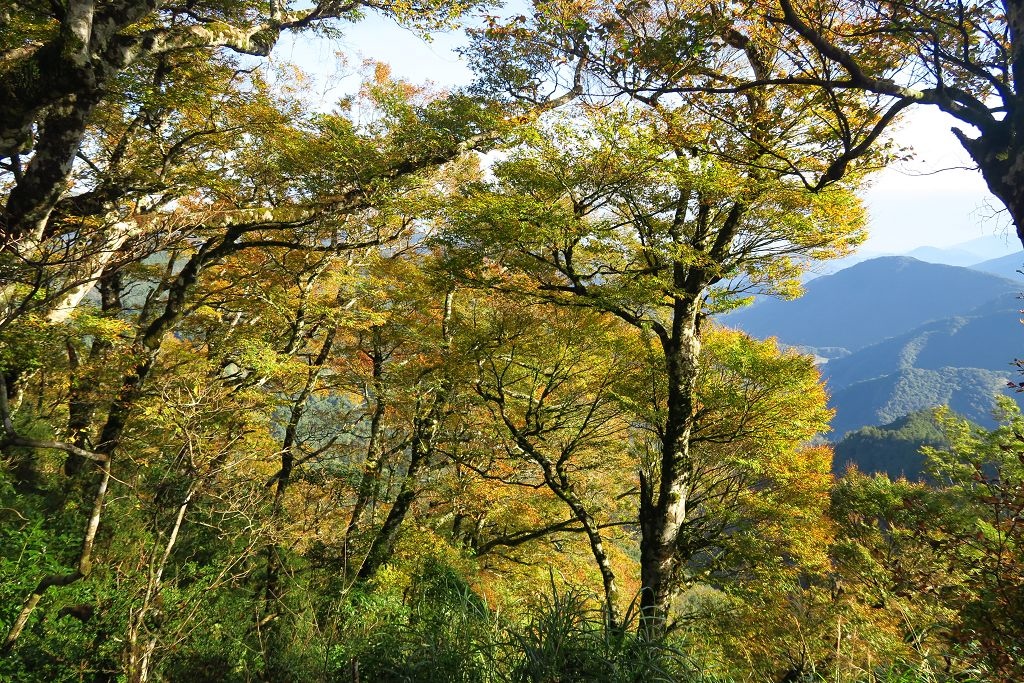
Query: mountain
x=989 y=338
x=962 y=361
x=894 y=448
x=871 y=301
x=896 y=335
x=990 y=246
x=1005 y=266
x=969 y=392
x=949 y=256
x=967 y=253
x=818 y=269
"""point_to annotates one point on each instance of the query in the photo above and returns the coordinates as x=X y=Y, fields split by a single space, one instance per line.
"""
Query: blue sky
x=917 y=203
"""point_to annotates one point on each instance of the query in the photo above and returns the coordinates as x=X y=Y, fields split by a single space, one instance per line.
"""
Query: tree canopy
x=427 y=386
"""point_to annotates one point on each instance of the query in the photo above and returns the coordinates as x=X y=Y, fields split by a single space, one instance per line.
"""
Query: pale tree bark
x=141 y=642
x=95 y=265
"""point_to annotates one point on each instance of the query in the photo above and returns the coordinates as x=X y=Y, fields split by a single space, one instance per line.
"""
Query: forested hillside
x=432 y=384
x=894 y=449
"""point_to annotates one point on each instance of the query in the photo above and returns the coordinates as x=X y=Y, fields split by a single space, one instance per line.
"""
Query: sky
x=936 y=199
x=933 y=200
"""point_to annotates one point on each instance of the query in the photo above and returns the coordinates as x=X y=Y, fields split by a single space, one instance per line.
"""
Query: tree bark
x=999 y=154
x=425 y=429
x=383 y=544
x=663 y=501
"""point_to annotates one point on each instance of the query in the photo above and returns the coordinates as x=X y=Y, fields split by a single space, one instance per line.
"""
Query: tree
x=624 y=214
x=756 y=527
x=961 y=57
x=864 y=63
x=938 y=565
x=733 y=64
x=549 y=385
x=889 y=585
x=60 y=63
x=981 y=488
x=269 y=195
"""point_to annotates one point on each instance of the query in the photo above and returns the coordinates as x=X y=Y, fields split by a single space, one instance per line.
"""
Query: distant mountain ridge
x=949 y=256
x=967 y=253
x=989 y=337
x=871 y=301
x=897 y=335
x=988 y=249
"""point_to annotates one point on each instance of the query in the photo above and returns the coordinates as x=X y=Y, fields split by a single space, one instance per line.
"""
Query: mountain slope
x=871 y=301
x=989 y=337
x=969 y=392
x=1004 y=266
x=894 y=448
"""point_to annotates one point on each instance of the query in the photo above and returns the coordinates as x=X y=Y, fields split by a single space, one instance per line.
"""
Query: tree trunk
x=663 y=496
x=383 y=544
x=590 y=528
x=424 y=430
x=273 y=593
x=1000 y=158
x=148 y=348
x=141 y=643
x=24 y=219
x=81 y=405
x=374 y=463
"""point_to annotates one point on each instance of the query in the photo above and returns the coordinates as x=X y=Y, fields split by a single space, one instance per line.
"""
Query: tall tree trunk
x=141 y=642
x=611 y=592
x=374 y=463
x=273 y=593
x=424 y=430
x=664 y=494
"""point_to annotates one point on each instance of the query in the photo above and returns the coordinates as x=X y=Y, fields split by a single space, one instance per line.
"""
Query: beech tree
x=961 y=57
x=981 y=492
x=851 y=58
x=549 y=388
x=268 y=190
x=624 y=215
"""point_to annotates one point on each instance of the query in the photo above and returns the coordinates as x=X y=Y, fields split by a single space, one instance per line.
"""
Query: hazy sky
x=932 y=200
x=912 y=205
